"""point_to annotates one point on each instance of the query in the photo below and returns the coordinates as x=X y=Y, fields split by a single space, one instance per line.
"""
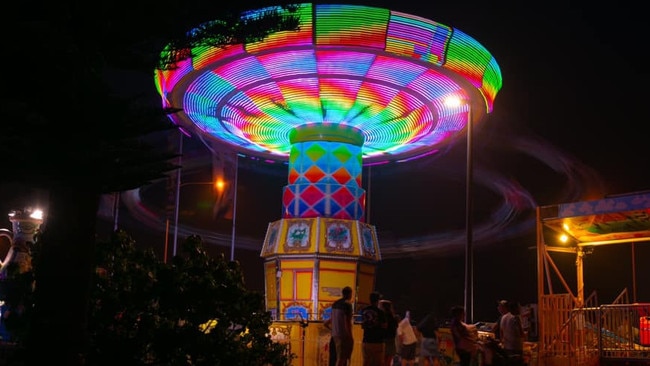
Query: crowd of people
x=390 y=340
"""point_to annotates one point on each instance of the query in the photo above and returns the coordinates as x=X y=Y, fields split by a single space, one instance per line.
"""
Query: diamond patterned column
x=325 y=173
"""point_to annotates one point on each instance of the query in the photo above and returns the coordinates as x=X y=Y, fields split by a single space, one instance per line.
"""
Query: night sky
x=574 y=91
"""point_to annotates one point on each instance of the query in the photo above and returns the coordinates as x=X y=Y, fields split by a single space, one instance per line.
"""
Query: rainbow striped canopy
x=385 y=73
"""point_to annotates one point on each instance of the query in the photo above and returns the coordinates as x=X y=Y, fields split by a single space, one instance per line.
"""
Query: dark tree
x=195 y=310
x=73 y=132
x=142 y=311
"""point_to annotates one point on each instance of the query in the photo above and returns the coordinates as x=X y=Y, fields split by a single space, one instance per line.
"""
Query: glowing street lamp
x=219 y=185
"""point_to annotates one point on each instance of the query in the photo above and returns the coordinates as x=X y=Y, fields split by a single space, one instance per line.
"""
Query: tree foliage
x=195 y=310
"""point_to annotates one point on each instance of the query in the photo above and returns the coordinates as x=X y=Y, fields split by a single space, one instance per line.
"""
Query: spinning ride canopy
x=382 y=74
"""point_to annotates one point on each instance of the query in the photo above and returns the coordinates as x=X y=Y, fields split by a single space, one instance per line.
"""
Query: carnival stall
x=578 y=330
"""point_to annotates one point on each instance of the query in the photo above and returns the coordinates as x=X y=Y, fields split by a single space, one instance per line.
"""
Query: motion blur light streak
x=509 y=217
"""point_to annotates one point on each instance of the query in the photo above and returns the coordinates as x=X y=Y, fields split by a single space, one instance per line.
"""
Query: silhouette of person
x=429 y=351
x=341 y=323
x=465 y=343
x=502 y=308
x=332 y=345
x=512 y=334
x=374 y=328
x=408 y=340
x=392 y=320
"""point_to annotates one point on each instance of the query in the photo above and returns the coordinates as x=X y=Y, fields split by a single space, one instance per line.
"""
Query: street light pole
x=178 y=193
x=455 y=102
x=469 y=250
x=116 y=210
x=234 y=210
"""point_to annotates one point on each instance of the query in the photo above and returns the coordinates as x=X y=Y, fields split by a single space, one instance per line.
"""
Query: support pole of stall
x=633 y=274
x=580 y=292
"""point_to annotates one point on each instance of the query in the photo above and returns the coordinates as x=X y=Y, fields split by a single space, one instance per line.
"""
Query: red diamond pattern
x=342 y=215
x=310 y=213
x=343 y=196
x=311 y=195
x=287 y=197
x=293 y=176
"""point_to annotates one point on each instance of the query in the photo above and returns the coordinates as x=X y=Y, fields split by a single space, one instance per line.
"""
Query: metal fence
x=615 y=332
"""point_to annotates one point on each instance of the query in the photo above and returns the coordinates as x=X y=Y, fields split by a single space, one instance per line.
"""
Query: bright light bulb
x=453 y=101
x=37 y=214
x=219 y=184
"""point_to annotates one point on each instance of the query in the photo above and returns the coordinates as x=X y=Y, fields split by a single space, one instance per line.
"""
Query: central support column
x=325 y=173
x=321 y=244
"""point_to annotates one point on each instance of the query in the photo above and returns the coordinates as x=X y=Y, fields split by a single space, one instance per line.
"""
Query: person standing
x=390 y=349
x=332 y=345
x=465 y=343
x=512 y=334
x=373 y=322
x=341 y=325
x=407 y=339
x=429 y=352
x=502 y=308
x=493 y=353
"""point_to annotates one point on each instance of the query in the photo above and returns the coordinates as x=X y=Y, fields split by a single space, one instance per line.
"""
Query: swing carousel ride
x=354 y=88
